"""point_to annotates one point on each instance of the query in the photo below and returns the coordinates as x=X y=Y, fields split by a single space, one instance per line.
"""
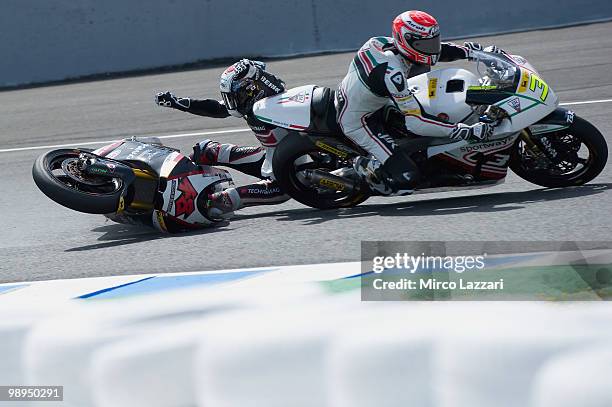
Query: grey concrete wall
x=46 y=40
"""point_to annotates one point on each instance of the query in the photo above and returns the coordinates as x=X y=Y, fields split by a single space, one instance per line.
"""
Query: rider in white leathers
x=380 y=71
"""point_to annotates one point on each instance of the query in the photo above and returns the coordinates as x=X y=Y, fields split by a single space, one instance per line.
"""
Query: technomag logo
x=412 y=264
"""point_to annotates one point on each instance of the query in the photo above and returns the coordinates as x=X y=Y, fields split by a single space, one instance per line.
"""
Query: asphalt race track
x=42 y=240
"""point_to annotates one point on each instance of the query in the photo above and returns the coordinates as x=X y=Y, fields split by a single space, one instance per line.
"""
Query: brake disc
x=72 y=169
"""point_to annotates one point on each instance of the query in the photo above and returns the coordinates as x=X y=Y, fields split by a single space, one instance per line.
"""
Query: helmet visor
x=238 y=99
x=427 y=46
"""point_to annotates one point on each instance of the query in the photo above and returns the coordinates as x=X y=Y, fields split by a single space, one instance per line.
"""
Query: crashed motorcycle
x=133 y=181
x=542 y=143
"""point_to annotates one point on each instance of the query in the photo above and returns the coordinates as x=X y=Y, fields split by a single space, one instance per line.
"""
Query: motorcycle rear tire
x=285 y=155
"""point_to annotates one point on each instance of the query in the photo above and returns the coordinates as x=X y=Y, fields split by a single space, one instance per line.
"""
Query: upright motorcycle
x=135 y=181
x=542 y=143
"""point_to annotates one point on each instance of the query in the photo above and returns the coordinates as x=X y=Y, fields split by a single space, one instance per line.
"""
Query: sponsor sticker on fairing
x=331 y=149
x=518 y=59
x=172 y=194
x=298 y=98
x=432 y=88
x=486 y=145
x=515 y=103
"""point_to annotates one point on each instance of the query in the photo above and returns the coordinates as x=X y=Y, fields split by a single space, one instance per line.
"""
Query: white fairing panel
x=533 y=100
x=520 y=61
x=181 y=194
x=290 y=110
x=430 y=89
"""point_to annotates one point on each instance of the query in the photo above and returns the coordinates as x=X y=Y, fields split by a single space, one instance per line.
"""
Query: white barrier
x=12 y=337
x=386 y=362
x=61 y=349
x=582 y=378
x=148 y=370
x=54 y=40
x=286 y=336
x=274 y=357
x=495 y=361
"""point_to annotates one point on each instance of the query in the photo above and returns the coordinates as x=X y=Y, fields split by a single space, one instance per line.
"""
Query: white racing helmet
x=239 y=93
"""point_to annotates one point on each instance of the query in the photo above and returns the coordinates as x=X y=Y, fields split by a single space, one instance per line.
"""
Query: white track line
x=91 y=143
x=586 y=102
x=210 y=133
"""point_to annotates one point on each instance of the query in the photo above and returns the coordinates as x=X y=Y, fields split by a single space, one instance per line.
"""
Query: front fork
x=538 y=148
x=526 y=137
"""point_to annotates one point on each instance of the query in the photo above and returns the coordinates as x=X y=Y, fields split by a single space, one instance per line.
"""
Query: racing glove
x=472 y=133
x=167 y=99
x=475 y=46
x=206 y=152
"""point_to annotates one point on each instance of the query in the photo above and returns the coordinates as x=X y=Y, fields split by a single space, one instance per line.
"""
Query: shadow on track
x=484 y=203
x=117 y=234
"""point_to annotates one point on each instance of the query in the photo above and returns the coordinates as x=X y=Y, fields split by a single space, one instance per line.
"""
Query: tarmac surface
x=41 y=240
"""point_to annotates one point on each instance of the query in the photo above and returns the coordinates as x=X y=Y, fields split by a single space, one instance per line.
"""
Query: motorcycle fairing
x=522 y=62
x=289 y=110
x=559 y=119
x=488 y=160
x=157 y=158
x=185 y=195
x=442 y=93
x=522 y=93
x=183 y=188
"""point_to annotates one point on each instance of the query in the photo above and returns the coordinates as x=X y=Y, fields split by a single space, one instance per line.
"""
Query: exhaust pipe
x=330 y=181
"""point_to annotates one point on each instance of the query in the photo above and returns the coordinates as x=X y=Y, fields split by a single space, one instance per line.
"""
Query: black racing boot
x=369 y=170
x=397 y=176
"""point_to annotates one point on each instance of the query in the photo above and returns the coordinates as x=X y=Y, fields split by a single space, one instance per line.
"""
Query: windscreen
x=495 y=69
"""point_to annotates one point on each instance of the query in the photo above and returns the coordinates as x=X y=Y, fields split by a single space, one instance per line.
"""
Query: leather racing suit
x=251 y=160
x=378 y=73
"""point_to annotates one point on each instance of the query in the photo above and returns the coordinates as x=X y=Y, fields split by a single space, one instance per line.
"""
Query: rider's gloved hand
x=167 y=99
x=206 y=152
x=473 y=46
x=494 y=49
x=472 y=133
x=476 y=46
